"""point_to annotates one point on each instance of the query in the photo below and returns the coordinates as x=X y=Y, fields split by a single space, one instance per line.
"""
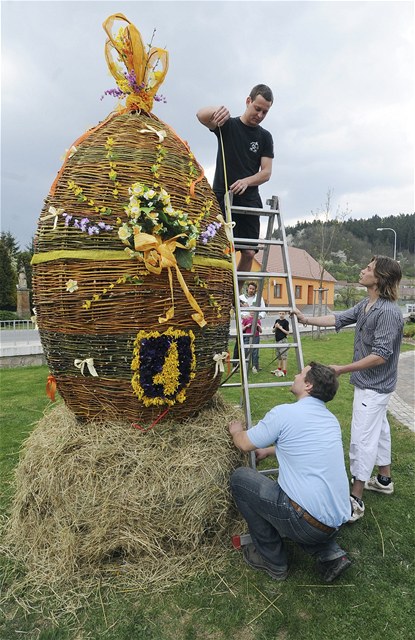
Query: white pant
x=370 y=440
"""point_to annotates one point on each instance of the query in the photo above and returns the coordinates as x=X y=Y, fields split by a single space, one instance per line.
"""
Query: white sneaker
x=358 y=511
x=254 y=370
x=374 y=485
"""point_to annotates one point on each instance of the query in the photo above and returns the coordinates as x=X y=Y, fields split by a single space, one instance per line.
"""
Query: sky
x=342 y=73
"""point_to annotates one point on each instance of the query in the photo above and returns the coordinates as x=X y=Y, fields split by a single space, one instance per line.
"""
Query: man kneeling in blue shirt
x=310 y=501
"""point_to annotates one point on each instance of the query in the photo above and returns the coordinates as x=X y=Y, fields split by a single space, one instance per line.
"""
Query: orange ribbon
x=51 y=387
x=153 y=424
x=158 y=255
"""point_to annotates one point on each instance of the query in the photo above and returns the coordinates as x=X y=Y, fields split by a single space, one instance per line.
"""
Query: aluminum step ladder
x=275 y=236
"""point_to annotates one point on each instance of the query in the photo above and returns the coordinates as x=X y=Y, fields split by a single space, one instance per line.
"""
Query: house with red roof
x=305 y=273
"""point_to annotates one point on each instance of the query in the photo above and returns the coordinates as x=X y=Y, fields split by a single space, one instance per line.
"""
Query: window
x=298 y=291
x=277 y=291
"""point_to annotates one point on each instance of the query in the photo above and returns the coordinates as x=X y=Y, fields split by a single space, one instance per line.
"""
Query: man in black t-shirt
x=249 y=151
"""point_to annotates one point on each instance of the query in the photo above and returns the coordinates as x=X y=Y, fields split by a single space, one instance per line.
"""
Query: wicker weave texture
x=96 y=302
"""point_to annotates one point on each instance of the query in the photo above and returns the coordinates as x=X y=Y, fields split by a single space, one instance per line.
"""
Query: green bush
x=409 y=330
x=8 y=315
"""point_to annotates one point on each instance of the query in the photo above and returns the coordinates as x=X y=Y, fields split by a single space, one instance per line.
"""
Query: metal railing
x=16 y=325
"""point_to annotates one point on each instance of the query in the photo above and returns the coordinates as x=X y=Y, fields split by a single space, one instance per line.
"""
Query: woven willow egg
x=132 y=277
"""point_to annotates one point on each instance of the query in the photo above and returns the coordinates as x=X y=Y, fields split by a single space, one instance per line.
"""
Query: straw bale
x=106 y=501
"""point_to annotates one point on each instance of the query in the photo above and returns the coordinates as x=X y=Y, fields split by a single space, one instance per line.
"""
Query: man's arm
x=212 y=117
x=240 y=437
x=316 y=321
x=368 y=362
x=261 y=454
x=263 y=175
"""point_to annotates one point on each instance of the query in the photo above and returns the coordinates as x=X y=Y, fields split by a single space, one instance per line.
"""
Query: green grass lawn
x=373 y=599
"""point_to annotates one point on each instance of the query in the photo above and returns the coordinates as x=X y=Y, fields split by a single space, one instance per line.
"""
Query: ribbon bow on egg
x=158 y=255
x=89 y=363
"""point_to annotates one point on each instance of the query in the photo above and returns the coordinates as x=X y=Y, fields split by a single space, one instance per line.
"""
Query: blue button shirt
x=309 y=449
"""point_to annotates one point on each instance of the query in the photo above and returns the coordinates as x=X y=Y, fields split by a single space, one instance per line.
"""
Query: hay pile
x=105 y=500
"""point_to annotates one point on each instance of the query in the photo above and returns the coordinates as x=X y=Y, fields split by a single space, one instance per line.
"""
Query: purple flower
x=210 y=231
x=83 y=223
x=116 y=93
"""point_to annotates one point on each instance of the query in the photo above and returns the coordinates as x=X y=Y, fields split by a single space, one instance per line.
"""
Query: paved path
x=402 y=402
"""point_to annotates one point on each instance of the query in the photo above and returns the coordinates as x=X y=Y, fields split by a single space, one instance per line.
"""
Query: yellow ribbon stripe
x=107 y=255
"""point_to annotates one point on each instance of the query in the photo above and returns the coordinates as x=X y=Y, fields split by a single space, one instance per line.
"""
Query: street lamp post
x=394 y=245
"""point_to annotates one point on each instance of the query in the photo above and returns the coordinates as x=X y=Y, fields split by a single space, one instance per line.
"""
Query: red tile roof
x=302 y=264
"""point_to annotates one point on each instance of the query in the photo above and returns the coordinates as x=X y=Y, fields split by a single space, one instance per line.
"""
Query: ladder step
x=256 y=275
x=271 y=345
x=258 y=385
x=255 y=212
x=266 y=309
x=258 y=241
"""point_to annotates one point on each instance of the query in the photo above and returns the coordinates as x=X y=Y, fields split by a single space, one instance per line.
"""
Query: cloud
x=342 y=73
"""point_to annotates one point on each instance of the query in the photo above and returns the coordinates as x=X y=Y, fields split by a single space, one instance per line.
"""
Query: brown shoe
x=255 y=561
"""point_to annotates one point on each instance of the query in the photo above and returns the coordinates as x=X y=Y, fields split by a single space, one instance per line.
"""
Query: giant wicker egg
x=132 y=274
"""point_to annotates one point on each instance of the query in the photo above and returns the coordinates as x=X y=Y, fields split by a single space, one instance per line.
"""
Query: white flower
x=137 y=189
x=71 y=286
x=149 y=194
x=124 y=232
x=164 y=196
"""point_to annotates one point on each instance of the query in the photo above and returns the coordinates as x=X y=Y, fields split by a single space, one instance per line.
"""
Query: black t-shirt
x=279 y=335
x=244 y=147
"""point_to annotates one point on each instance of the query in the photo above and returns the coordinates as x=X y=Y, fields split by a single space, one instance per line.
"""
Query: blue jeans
x=271 y=517
x=255 y=352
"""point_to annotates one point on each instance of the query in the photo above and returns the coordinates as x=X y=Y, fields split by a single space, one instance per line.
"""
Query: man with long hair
x=378 y=336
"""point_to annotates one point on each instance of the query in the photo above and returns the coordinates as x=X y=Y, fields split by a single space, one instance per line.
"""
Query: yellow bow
x=219 y=359
x=158 y=255
x=228 y=226
x=161 y=134
x=53 y=213
x=89 y=363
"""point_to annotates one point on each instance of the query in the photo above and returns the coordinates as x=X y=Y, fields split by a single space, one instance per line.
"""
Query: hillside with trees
x=350 y=243
x=340 y=246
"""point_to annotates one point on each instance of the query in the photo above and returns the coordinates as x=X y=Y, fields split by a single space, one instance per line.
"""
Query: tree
x=327 y=227
x=349 y=296
x=10 y=243
x=8 y=280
